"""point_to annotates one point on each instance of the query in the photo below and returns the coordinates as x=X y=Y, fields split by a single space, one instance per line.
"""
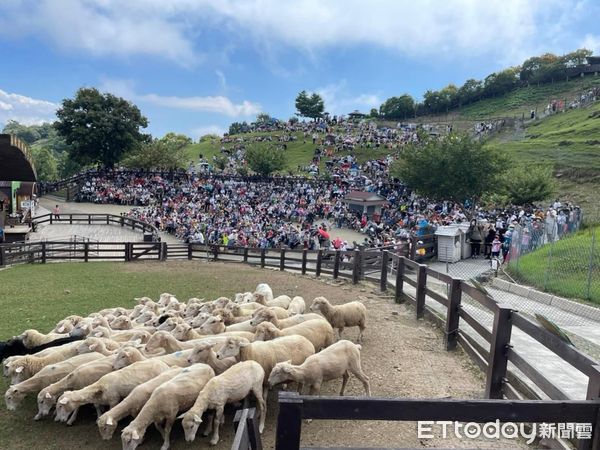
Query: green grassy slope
x=564 y=267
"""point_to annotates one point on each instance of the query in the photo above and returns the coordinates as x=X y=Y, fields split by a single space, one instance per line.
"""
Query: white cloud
x=26 y=110
x=339 y=101
x=222 y=80
x=591 y=42
x=174 y=29
x=214 y=104
x=203 y=130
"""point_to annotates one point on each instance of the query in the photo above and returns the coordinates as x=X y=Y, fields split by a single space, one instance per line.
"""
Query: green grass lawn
x=563 y=267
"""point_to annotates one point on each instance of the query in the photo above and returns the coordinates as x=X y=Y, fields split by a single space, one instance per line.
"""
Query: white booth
x=449 y=240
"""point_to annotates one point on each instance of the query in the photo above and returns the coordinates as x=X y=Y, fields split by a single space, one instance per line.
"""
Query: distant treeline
x=546 y=68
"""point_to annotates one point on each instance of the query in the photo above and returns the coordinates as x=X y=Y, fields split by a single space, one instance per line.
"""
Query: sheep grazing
x=216 y=325
x=243 y=297
x=133 y=403
x=77 y=379
x=129 y=355
x=20 y=368
x=282 y=301
x=204 y=353
x=296 y=306
x=45 y=377
x=108 y=390
x=336 y=361
x=165 y=403
x=200 y=319
x=122 y=336
x=121 y=323
x=33 y=338
x=99 y=345
x=280 y=313
x=317 y=331
x=231 y=386
x=265 y=315
x=269 y=353
x=353 y=314
x=264 y=288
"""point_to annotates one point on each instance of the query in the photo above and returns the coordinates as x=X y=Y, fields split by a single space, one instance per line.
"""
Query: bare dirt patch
x=402 y=356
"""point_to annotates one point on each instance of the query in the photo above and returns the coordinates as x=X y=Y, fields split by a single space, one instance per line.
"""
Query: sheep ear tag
x=135 y=435
x=92 y=346
x=63 y=401
x=178 y=353
x=197 y=418
x=109 y=421
x=61 y=329
x=48 y=395
x=19 y=369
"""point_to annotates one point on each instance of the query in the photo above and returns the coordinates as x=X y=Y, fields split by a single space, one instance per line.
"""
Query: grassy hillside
x=564 y=267
x=570 y=142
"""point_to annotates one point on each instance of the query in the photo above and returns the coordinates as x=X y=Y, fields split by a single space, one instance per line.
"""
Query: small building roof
x=362 y=197
x=16 y=163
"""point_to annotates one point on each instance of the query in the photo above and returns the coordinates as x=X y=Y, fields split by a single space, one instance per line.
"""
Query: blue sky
x=195 y=66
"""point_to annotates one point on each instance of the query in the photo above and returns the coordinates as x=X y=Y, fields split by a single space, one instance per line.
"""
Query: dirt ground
x=402 y=356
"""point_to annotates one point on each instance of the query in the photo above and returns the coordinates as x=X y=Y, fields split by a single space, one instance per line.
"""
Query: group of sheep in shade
x=165 y=360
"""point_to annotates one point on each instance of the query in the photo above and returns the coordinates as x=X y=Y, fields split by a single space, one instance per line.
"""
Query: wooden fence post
x=413 y=247
x=2 y=256
x=384 y=271
x=70 y=219
x=89 y=219
x=215 y=252
x=304 y=259
x=319 y=262
x=421 y=286
x=282 y=259
x=356 y=267
x=362 y=260
x=127 y=251
x=452 y=316
x=43 y=253
x=593 y=393
x=262 y=258
x=498 y=351
x=336 y=265
x=51 y=218
x=108 y=219
x=245 y=254
x=289 y=422
x=164 y=250
x=122 y=221
x=398 y=297
x=190 y=251
x=86 y=251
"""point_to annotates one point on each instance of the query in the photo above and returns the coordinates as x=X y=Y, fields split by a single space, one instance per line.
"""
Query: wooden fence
x=489 y=346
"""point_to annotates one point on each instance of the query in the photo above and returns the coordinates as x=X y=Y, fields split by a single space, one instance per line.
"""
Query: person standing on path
x=56 y=212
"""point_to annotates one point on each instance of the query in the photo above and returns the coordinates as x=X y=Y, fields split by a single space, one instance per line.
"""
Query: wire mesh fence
x=550 y=258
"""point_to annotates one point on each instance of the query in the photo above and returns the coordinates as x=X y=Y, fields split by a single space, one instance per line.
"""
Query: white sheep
x=317 y=331
x=243 y=297
x=283 y=301
x=204 y=353
x=216 y=325
x=297 y=306
x=184 y=332
x=268 y=353
x=128 y=355
x=133 y=403
x=33 y=338
x=264 y=288
x=199 y=319
x=336 y=361
x=122 y=336
x=109 y=389
x=268 y=316
x=25 y=366
x=353 y=314
x=104 y=346
x=45 y=377
x=233 y=385
x=79 y=378
x=165 y=403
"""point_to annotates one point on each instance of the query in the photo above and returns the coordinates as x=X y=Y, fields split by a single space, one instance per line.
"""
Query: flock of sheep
x=165 y=360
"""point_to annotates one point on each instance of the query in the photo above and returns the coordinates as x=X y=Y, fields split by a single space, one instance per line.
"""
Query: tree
x=374 y=113
x=237 y=128
x=310 y=106
x=264 y=119
x=45 y=164
x=100 y=128
x=265 y=160
x=526 y=185
x=175 y=140
x=395 y=108
x=164 y=153
x=454 y=167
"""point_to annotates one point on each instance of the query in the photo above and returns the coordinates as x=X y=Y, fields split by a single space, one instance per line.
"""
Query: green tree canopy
x=311 y=106
x=454 y=167
x=45 y=164
x=100 y=128
x=167 y=152
x=396 y=108
x=529 y=184
x=265 y=160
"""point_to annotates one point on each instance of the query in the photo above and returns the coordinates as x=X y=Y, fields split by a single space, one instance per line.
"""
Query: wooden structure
x=368 y=203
